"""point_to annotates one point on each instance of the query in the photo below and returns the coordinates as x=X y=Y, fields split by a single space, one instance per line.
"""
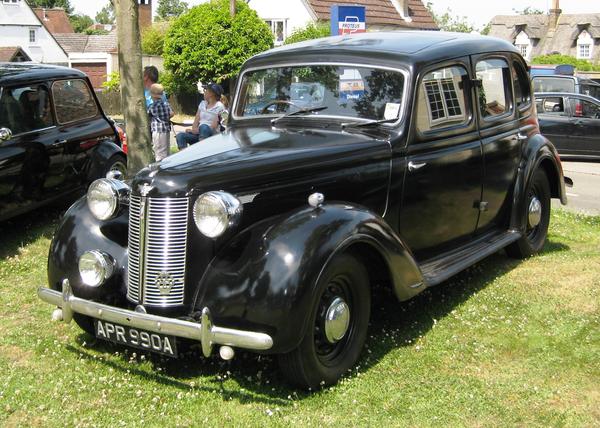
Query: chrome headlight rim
x=119 y=197
x=231 y=208
x=105 y=263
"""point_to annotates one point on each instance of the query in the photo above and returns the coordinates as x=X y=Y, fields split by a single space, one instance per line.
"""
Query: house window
x=584 y=45
x=32 y=34
x=279 y=30
x=523 y=43
x=442 y=99
x=10 y=1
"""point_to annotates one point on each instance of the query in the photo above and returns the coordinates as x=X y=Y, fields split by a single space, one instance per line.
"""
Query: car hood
x=249 y=157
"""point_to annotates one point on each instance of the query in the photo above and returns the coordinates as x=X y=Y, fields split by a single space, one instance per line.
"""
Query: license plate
x=141 y=339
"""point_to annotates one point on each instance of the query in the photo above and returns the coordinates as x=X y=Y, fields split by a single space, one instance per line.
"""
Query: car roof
x=406 y=47
x=566 y=94
x=16 y=73
x=578 y=79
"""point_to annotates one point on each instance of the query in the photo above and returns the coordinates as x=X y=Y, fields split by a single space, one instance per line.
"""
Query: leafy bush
x=113 y=84
x=206 y=44
x=579 y=64
x=153 y=38
x=311 y=31
x=80 y=22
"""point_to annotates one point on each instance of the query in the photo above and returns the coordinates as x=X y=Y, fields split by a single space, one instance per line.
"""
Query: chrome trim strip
x=404 y=72
x=205 y=332
x=142 y=248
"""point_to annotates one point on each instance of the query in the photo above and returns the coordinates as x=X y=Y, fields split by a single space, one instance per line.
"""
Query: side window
x=25 y=109
x=73 y=101
x=585 y=109
x=554 y=106
x=494 y=93
x=521 y=83
x=442 y=101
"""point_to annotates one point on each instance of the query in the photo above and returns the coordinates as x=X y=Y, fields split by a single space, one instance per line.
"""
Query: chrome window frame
x=402 y=71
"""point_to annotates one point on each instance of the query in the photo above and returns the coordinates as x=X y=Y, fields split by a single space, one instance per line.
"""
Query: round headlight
x=104 y=197
x=215 y=212
x=95 y=267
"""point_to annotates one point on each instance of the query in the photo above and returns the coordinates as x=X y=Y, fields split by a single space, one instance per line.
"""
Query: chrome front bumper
x=205 y=332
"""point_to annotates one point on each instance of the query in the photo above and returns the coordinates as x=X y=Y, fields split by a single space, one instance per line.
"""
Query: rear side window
x=494 y=93
x=25 y=109
x=73 y=101
x=553 y=84
x=442 y=100
x=586 y=109
x=521 y=83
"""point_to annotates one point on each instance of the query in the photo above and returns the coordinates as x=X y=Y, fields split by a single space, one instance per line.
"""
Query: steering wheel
x=275 y=102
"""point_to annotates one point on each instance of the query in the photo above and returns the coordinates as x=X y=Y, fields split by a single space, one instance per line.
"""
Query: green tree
x=80 y=22
x=168 y=9
x=153 y=38
x=207 y=44
x=106 y=14
x=311 y=31
x=49 y=4
x=528 y=11
x=579 y=64
x=449 y=22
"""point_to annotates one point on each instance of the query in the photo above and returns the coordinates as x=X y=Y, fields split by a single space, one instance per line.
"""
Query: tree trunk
x=232 y=8
x=139 y=143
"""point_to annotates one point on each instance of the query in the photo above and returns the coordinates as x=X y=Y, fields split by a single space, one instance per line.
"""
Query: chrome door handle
x=59 y=143
x=412 y=166
x=521 y=137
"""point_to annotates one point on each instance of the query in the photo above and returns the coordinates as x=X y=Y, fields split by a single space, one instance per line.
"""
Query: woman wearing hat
x=206 y=122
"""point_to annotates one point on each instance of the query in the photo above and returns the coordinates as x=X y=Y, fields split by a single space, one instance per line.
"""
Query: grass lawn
x=505 y=343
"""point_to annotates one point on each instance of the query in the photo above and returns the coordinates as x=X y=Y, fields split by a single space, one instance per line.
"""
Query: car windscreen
x=553 y=84
x=339 y=90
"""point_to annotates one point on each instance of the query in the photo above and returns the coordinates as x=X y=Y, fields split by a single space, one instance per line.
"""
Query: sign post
x=347 y=20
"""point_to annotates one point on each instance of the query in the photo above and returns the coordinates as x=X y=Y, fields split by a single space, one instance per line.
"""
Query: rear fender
x=265 y=278
x=100 y=158
x=539 y=153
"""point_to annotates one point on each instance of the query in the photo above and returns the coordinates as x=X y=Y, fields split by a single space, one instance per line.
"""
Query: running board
x=441 y=268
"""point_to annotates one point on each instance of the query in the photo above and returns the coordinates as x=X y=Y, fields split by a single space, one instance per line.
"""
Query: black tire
x=115 y=162
x=535 y=236
x=317 y=362
x=85 y=323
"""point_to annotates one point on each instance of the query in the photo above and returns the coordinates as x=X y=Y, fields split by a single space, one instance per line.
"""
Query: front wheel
x=116 y=163
x=538 y=218
x=337 y=326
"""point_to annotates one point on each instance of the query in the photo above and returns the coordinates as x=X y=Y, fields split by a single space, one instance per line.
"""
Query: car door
x=31 y=165
x=81 y=126
x=585 y=120
x=444 y=173
x=554 y=120
x=500 y=134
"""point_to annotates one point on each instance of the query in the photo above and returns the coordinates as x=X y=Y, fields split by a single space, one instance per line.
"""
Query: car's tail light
x=123 y=138
x=579 y=110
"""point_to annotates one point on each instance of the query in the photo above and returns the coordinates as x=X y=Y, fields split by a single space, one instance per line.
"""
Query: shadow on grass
x=26 y=228
x=258 y=378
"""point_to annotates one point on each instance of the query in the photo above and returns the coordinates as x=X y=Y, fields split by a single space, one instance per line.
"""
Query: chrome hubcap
x=535 y=212
x=337 y=320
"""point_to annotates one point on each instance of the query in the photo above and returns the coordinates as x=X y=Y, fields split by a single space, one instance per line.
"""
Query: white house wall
x=15 y=22
x=293 y=11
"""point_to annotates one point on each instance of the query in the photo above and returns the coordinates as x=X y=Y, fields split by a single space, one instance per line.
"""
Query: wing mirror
x=5 y=134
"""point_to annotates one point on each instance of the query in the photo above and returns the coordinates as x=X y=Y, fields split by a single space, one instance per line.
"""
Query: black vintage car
x=423 y=157
x=572 y=123
x=54 y=137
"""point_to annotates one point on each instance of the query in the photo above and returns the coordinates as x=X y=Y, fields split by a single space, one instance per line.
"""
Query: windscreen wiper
x=370 y=123
x=298 y=113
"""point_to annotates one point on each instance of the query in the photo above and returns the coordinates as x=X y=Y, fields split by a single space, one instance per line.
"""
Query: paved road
x=584 y=196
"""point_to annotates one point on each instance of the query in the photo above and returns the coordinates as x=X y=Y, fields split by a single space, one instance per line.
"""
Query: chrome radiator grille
x=157 y=250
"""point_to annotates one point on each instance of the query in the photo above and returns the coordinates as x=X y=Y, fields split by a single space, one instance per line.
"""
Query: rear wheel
x=538 y=218
x=337 y=326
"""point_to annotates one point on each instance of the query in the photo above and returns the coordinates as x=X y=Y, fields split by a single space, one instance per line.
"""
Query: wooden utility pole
x=132 y=88
x=232 y=8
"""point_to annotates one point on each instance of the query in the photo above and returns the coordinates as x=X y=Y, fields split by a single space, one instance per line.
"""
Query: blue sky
x=477 y=12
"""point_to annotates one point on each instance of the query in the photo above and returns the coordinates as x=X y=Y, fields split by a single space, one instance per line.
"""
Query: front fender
x=539 y=153
x=265 y=277
x=79 y=231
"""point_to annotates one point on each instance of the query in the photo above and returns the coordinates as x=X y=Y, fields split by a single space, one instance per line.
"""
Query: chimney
x=554 y=14
x=144 y=13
